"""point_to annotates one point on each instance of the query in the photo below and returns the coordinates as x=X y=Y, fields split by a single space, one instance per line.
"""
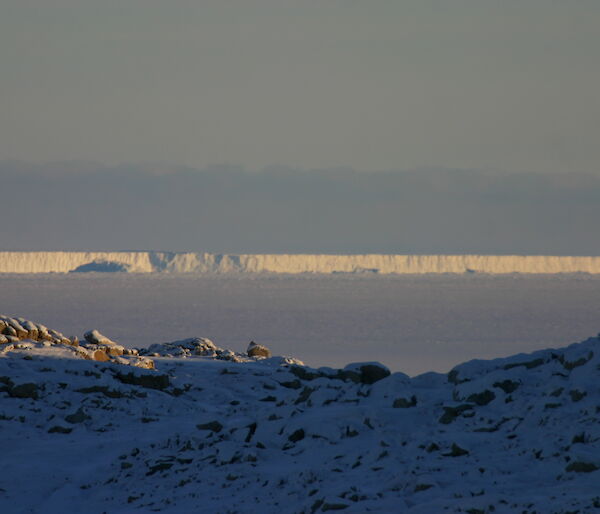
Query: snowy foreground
x=189 y=427
x=191 y=262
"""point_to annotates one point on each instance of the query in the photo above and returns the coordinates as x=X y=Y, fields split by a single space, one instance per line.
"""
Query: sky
x=378 y=85
x=335 y=126
x=81 y=206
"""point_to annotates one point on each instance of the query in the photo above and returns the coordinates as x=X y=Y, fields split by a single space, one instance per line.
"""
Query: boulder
x=9 y=331
x=100 y=355
x=29 y=390
x=257 y=350
x=95 y=337
x=368 y=372
x=20 y=332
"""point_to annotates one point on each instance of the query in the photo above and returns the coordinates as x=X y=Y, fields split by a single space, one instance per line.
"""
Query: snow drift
x=208 y=432
x=154 y=262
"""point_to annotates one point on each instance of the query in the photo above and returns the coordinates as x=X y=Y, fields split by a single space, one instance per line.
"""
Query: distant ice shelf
x=191 y=262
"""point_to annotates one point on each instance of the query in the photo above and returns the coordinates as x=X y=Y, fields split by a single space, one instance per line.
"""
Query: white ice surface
x=411 y=323
x=143 y=262
x=511 y=435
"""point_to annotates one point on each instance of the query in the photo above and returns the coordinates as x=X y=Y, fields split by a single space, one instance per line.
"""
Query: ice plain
x=412 y=323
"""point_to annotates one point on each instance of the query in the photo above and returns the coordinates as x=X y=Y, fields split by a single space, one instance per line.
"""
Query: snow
x=147 y=262
x=203 y=434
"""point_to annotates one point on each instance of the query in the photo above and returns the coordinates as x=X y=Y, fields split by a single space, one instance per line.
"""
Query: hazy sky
x=78 y=206
x=372 y=85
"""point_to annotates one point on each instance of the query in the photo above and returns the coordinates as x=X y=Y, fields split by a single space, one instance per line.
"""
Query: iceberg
x=199 y=262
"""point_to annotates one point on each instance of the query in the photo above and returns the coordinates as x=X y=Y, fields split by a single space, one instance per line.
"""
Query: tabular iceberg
x=192 y=262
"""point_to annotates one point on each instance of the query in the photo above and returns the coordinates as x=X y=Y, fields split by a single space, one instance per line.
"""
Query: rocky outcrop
x=22 y=334
x=516 y=434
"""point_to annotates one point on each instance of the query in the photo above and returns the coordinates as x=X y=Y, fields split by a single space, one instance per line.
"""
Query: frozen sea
x=412 y=323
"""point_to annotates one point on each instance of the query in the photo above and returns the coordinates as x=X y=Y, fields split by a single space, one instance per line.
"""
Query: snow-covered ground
x=412 y=323
x=206 y=434
x=145 y=262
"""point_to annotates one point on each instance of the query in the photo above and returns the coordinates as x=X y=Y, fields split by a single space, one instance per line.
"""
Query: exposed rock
x=213 y=426
x=18 y=329
x=403 y=403
x=99 y=355
x=368 y=372
x=183 y=348
x=147 y=380
x=257 y=350
x=296 y=436
x=77 y=417
x=29 y=390
x=95 y=337
x=60 y=430
x=10 y=331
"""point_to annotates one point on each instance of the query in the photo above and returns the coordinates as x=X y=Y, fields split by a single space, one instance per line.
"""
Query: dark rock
x=303 y=373
x=403 y=403
x=28 y=390
x=78 y=417
x=213 y=426
x=298 y=435
x=482 y=398
x=582 y=467
x=456 y=451
x=451 y=413
x=60 y=430
x=366 y=372
x=508 y=386
x=147 y=380
x=529 y=364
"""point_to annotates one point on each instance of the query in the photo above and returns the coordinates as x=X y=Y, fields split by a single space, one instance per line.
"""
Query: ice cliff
x=149 y=262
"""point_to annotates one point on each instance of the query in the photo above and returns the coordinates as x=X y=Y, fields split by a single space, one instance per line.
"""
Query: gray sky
x=82 y=206
x=372 y=85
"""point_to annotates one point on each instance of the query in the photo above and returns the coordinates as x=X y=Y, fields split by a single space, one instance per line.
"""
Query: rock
x=150 y=381
x=456 y=451
x=257 y=350
x=296 y=436
x=9 y=331
x=482 y=398
x=99 y=355
x=32 y=330
x=95 y=337
x=78 y=417
x=403 y=403
x=213 y=426
x=581 y=467
x=368 y=372
x=3 y=339
x=19 y=331
x=115 y=350
x=60 y=430
x=143 y=362
x=29 y=390
x=183 y=348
